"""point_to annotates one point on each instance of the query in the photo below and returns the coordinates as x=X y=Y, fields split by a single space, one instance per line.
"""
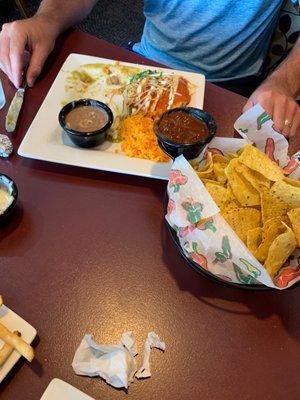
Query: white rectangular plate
x=44 y=139
x=60 y=390
x=14 y=323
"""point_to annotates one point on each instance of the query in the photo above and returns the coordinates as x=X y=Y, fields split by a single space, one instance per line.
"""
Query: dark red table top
x=88 y=251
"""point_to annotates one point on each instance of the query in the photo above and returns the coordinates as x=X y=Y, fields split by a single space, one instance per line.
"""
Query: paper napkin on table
x=152 y=340
x=114 y=363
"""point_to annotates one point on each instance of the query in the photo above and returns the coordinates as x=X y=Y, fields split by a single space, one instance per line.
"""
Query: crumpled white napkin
x=152 y=340
x=114 y=363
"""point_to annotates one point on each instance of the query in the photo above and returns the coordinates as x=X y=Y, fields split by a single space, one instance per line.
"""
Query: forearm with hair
x=288 y=72
x=62 y=17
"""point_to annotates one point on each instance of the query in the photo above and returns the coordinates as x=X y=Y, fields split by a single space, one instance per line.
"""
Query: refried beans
x=86 y=119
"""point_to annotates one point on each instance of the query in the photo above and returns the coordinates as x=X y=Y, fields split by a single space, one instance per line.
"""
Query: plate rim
x=58 y=381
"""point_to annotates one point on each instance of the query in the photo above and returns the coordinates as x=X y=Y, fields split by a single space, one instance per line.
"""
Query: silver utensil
x=14 y=109
x=2 y=96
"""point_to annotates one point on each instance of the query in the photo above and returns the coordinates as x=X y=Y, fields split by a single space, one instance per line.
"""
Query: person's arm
x=278 y=93
x=38 y=35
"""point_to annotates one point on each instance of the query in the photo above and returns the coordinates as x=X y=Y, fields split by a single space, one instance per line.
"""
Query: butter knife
x=14 y=109
x=2 y=96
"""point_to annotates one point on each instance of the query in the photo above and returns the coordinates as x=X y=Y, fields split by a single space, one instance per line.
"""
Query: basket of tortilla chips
x=235 y=211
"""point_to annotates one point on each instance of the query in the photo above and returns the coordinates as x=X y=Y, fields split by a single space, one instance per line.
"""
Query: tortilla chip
x=250 y=189
x=194 y=164
x=217 y=192
x=218 y=158
x=294 y=216
x=231 y=155
x=292 y=182
x=242 y=220
x=219 y=170
x=270 y=231
x=239 y=152
x=242 y=189
x=260 y=162
x=231 y=202
x=229 y=206
x=288 y=193
x=207 y=165
x=270 y=222
x=255 y=178
x=254 y=237
x=208 y=174
x=279 y=251
x=215 y=182
x=230 y=195
x=271 y=206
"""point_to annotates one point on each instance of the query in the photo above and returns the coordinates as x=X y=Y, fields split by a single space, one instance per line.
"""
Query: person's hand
x=36 y=35
x=279 y=104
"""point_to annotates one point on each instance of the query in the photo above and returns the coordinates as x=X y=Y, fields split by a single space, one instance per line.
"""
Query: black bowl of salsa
x=184 y=131
x=86 y=121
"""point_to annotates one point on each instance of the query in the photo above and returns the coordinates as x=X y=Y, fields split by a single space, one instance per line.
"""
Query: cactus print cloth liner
x=214 y=245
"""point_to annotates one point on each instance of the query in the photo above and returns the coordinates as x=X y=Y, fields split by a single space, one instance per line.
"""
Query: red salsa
x=181 y=127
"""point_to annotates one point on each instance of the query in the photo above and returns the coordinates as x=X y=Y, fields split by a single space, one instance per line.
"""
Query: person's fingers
x=4 y=55
x=290 y=112
x=248 y=105
x=295 y=130
x=266 y=99
x=16 y=55
x=37 y=60
x=268 y=107
x=280 y=104
x=282 y=109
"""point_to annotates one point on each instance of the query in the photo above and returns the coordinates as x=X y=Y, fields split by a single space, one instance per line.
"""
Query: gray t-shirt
x=223 y=39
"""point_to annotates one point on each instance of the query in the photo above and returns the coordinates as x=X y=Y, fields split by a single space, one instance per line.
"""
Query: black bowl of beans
x=86 y=121
x=184 y=131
